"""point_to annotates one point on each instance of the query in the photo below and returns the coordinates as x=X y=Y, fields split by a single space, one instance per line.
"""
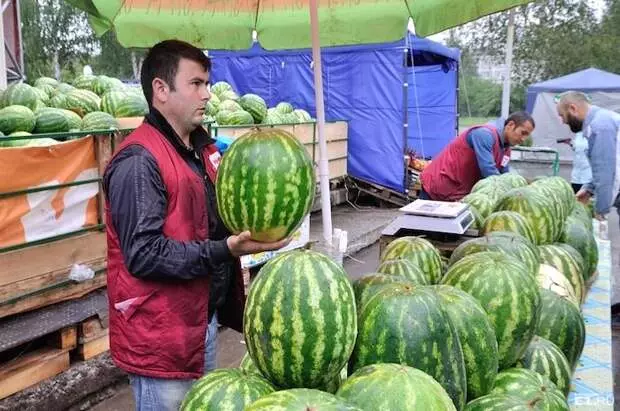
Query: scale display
x=433 y=217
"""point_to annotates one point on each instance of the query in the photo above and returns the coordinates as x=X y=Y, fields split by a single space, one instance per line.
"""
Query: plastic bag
x=80 y=272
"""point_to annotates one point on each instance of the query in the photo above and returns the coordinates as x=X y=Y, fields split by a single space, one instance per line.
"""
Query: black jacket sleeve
x=138 y=201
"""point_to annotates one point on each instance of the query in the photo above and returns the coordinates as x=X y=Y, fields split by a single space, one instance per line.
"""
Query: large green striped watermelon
x=302 y=115
x=406 y=324
x=568 y=263
x=300 y=319
x=84 y=82
x=226 y=389
x=41 y=95
x=536 y=209
x=265 y=184
x=49 y=90
x=213 y=105
x=284 y=107
x=367 y=286
x=547 y=359
x=563 y=190
x=483 y=204
x=551 y=279
x=274 y=117
x=230 y=105
x=420 y=252
x=59 y=101
x=222 y=117
x=394 y=387
x=220 y=87
x=238 y=118
x=51 y=120
x=477 y=337
x=404 y=268
x=74 y=120
x=103 y=84
x=493 y=185
x=506 y=242
x=228 y=95
x=64 y=88
x=301 y=399
x=499 y=402
x=248 y=366
x=509 y=294
x=583 y=214
x=82 y=101
x=532 y=388
x=508 y=221
x=98 y=120
x=20 y=94
x=16 y=118
x=577 y=235
x=121 y=103
x=513 y=180
x=255 y=105
x=41 y=81
x=561 y=323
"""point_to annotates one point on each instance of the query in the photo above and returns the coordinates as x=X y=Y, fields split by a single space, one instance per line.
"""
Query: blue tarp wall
x=364 y=85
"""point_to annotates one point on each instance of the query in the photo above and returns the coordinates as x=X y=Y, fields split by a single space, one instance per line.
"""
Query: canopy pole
x=326 y=212
x=509 y=47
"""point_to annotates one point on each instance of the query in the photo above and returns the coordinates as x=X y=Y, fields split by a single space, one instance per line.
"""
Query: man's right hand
x=242 y=244
x=583 y=196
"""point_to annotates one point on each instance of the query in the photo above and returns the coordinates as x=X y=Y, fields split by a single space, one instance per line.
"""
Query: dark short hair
x=520 y=118
x=162 y=61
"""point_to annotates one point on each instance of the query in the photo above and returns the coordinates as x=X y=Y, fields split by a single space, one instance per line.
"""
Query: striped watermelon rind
x=16 y=118
x=562 y=323
x=284 y=107
x=255 y=105
x=20 y=94
x=418 y=251
x=51 y=120
x=301 y=399
x=509 y=221
x=477 y=337
x=568 y=262
x=82 y=102
x=549 y=278
x=493 y=279
x=226 y=389
x=405 y=324
x=367 y=286
x=483 y=204
x=98 y=120
x=300 y=319
x=578 y=235
x=238 y=118
x=530 y=387
x=265 y=184
x=405 y=269
x=545 y=358
x=390 y=386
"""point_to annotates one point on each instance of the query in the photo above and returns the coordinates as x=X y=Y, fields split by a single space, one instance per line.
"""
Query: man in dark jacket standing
x=173 y=268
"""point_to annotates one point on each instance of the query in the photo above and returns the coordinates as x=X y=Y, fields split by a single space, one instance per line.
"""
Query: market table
x=592 y=385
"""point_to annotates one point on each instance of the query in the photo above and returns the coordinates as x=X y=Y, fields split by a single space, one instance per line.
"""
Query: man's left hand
x=600 y=217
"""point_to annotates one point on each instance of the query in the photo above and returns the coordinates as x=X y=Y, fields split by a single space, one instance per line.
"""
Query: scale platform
x=432 y=217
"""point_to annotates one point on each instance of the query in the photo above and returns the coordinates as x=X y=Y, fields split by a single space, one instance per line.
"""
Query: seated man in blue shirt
x=601 y=128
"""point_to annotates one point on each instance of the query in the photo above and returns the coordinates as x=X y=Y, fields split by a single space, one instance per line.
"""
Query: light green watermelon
x=569 y=263
x=418 y=251
x=51 y=120
x=301 y=399
x=405 y=269
x=509 y=221
x=367 y=286
x=547 y=359
x=16 y=118
x=284 y=108
x=98 y=120
x=255 y=105
x=578 y=235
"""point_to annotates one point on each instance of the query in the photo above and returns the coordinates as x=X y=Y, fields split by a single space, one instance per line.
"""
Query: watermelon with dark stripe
x=124 y=104
x=549 y=278
x=84 y=82
x=98 y=120
x=403 y=268
x=16 y=118
x=547 y=359
x=265 y=184
x=561 y=323
x=58 y=101
x=228 y=95
x=509 y=294
x=537 y=211
x=230 y=105
x=226 y=389
x=483 y=204
x=42 y=95
x=284 y=107
x=506 y=242
x=255 y=105
x=499 y=402
x=509 y=221
x=394 y=387
x=103 y=84
x=530 y=387
x=418 y=251
x=568 y=263
x=300 y=320
x=20 y=94
x=220 y=87
x=578 y=235
x=46 y=81
x=273 y=117
x=222 y=117
x=491 y=185
x=583 y=214
x=241 y=117
x=301 y=399
x=64 y=88
x=51 y=120
x=302 y=115
x=74 y=120
x=405 y=324
x=562 y=188
x=477 y=337
x=82 y=102
x=369 y=285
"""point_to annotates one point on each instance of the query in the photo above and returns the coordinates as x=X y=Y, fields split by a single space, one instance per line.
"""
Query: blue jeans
x=161 y=394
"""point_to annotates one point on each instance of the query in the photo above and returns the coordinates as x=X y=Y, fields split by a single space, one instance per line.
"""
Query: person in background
x=581 y=172
x=477 y=153
x=601 y=129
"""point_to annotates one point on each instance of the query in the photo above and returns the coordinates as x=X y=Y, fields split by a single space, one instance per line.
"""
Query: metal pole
x=509 y=46
x=326 y=211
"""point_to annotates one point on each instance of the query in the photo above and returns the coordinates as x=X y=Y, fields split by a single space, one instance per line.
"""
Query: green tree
x=115 y=60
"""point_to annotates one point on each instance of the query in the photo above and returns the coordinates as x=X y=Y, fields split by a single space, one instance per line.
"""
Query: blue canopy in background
x=587 y=80
x=378 y=89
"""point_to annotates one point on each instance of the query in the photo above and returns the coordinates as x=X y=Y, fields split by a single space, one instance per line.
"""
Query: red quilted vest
x=453 y=173
x=157 y=329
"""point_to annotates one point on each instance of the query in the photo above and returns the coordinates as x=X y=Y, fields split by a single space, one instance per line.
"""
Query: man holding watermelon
x=477 y=153
x=601 y=128
x=173 y=269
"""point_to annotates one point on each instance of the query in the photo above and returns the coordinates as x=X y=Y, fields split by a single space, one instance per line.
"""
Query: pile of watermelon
x=49 y=106
x=226 y=108
x=497 y=326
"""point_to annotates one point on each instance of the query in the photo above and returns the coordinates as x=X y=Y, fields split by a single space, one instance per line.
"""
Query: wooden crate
x=93 y=338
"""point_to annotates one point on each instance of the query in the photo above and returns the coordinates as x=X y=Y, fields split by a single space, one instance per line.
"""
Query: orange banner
x=43 y=214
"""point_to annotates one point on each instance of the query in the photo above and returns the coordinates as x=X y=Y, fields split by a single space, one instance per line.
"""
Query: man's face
x=515 y=135
x=570 y=115
x=190 y=95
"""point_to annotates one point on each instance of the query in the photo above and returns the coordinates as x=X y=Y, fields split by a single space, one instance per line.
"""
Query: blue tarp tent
x=602 y=87
x=377 y=88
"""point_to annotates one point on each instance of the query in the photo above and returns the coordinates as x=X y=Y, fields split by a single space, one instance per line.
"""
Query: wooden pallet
x=93 y=339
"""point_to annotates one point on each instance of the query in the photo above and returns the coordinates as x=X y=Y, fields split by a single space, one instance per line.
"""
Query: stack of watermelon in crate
x=497 y=327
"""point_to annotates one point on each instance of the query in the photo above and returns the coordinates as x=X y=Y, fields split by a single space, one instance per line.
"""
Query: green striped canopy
x=280 y=24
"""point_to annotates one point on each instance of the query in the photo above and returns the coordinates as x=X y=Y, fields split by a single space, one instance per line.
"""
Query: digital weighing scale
x=432 y=217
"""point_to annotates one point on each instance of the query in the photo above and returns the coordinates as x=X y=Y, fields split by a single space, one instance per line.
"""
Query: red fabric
x=455 y=171
x=157 y=329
